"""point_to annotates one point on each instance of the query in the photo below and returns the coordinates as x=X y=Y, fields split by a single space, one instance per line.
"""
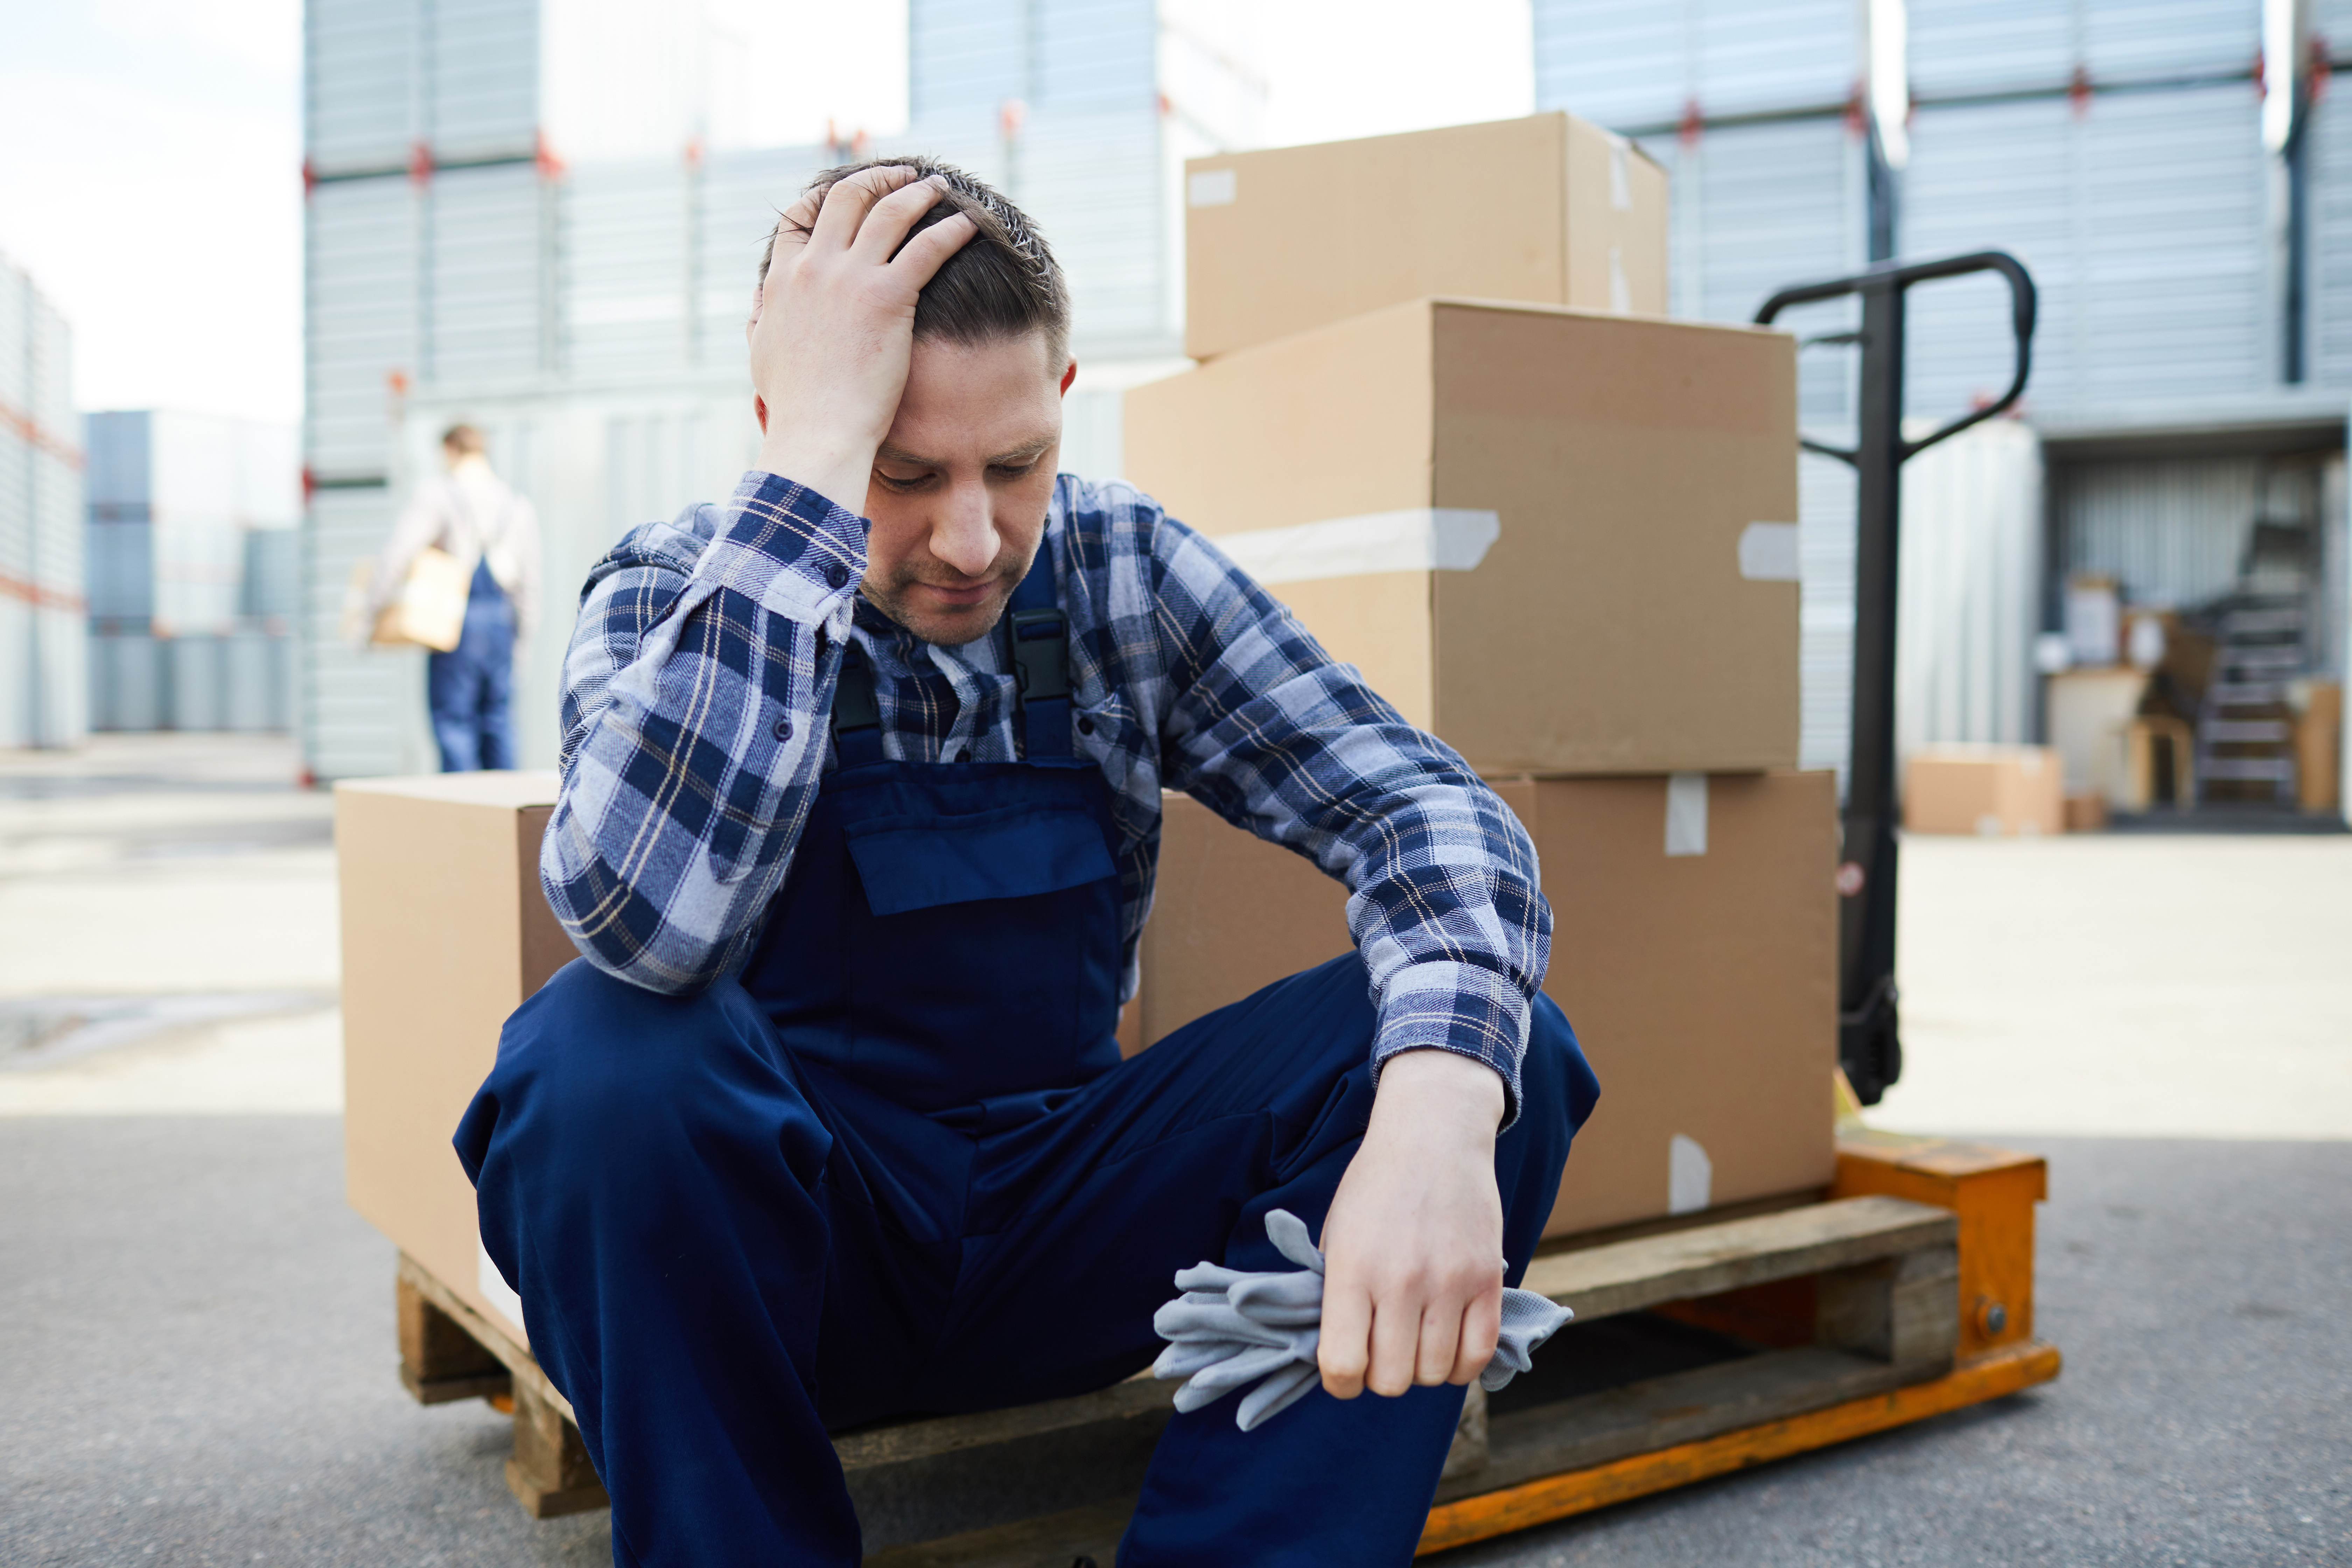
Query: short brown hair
x=1002 y=283
x=464 y=439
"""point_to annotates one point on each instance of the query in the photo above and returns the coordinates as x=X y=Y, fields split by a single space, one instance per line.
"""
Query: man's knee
x=606 y=1066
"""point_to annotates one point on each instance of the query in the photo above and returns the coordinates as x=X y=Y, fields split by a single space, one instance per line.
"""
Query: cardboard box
x=445 y=933
x=1548 y=208
x=1564 y=543
x=1694 y=950
x=1991 y=791
x=2318 y=744
x=2086 y=812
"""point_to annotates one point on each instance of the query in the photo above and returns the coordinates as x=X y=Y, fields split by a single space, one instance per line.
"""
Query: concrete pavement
x=196 y=1367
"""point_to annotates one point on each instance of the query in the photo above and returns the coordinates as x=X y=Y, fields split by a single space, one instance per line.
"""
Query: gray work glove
x=1230 y=1329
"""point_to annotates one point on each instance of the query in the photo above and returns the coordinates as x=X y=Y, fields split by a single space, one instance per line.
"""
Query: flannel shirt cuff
x=1460 y=1007
x=787 y=549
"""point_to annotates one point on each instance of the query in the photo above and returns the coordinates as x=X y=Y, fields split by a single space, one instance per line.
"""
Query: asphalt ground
x=197 y=1367
x=196 y=1340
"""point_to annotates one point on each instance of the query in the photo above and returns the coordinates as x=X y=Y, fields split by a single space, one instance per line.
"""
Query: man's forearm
x=698 y=738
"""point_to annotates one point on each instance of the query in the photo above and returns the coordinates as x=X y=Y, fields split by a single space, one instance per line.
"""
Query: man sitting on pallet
x=856 y=835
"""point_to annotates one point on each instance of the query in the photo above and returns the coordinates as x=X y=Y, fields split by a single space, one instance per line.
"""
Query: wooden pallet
x=1850 y=1316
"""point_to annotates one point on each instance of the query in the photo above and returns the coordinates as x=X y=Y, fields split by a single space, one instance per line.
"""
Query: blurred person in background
x=471 y=515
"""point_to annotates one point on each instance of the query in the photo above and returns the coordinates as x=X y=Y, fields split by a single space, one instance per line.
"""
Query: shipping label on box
x=1563 y=543
x=1548 y=209
x=1693 y=950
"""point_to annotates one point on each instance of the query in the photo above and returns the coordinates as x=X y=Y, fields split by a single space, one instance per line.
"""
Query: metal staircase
x=2245 y=728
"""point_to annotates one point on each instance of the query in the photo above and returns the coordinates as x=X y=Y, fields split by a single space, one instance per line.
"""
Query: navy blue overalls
x=469 y=689
x=897 y=1167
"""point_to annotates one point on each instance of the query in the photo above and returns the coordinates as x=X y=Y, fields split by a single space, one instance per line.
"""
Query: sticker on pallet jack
x=1690 y=1177
x=494 y=1287
x=1413 y=539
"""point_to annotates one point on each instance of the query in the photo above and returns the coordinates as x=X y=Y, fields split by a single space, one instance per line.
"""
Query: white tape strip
x=1769 y=553
x=1418 y=539
x=1620 y=174
x=494 y=1287
x=1211 y=188
x=1685 y=814
x=1620 y=293
x=1690 y=1177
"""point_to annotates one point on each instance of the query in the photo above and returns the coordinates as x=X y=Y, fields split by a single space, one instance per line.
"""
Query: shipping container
x=44 y=654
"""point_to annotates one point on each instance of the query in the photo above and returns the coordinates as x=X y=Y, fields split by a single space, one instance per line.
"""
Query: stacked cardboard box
x=445 y=933
x=1561 y=538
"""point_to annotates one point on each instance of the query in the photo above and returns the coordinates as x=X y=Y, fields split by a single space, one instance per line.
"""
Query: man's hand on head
x=1413 y=1248
x=832 y=325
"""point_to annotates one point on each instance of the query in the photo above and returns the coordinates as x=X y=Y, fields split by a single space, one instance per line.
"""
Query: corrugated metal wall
x=1644 y=65
x=2171 y=529
x=44 y=656
x=2143 y=220
x=361 y=321
x=385 y=78
x=2327 y=244
x=482 y=315
x=1971 y=577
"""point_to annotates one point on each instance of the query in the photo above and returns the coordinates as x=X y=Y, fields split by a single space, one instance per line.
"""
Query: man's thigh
x=1078 y=1221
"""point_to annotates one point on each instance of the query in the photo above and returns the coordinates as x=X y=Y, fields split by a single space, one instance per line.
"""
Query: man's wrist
x=839 y=469
x=1430 y=1082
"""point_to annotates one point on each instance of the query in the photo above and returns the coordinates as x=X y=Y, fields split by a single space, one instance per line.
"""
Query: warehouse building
x=43 y=666
x=2184 y=211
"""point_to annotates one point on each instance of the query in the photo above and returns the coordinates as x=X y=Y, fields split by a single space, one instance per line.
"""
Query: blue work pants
x=724 y=1253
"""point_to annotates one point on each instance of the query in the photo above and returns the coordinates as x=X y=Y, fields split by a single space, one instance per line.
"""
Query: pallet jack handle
x=1869 y=1045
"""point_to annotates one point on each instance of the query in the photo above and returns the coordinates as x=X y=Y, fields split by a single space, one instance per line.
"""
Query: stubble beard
x=947 y=628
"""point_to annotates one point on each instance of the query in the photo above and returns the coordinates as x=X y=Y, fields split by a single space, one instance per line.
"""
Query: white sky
x=151 y=154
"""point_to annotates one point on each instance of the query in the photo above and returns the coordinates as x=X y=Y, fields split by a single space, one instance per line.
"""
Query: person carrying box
x=856 y=837
x=492 y=534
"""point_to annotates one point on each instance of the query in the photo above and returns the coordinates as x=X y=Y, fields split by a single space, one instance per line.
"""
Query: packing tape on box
x=1690 y=1175
x=1211 y=188
x=1417 y=539
x=1620 y=174
x=1685 y=814
x=1769 y=553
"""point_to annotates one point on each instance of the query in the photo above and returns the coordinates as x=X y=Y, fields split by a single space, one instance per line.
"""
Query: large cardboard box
x=1564 y=543
x=1693 y=949
x=1990 y=790
x=1546 y=208
x=445 y=933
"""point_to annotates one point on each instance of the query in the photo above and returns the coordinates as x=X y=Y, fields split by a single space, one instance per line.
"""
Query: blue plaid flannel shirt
x=699 y=682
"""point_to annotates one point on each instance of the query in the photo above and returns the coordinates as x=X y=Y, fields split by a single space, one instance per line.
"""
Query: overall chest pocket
x=917 y=863
x=982 y=951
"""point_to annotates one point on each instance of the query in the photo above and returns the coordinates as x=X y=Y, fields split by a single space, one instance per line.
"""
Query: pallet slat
x=1628 y=1275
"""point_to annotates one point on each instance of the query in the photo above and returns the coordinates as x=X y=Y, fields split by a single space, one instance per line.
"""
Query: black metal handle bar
x=1899 y=277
